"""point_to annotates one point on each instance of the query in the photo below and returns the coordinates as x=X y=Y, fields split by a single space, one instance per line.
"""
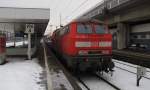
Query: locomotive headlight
x=82 y=44
x=105 y=44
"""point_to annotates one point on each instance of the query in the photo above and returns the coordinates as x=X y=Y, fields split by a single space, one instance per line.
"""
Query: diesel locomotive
x=84 y=45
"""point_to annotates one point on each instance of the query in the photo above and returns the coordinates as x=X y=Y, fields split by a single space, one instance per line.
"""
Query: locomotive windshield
x=87 y=29
x=84 y=29
x=99 y=29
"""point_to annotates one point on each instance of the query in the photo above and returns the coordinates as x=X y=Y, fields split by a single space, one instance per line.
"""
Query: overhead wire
x=56 y=5
x=68 y=4
x=72 y=12
x=55 y=8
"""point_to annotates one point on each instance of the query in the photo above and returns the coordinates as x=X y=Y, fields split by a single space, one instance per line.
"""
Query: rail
x=112 y=85
x=100 y=78
x=131 y=72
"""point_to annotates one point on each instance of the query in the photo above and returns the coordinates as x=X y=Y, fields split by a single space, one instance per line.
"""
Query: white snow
x=20 y=74
x=130 y=67
x=122 y=79
x=60 y=81
x=126 y=80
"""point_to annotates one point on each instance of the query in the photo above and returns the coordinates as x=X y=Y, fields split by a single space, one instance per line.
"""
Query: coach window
x=148 y=36
x=84 y=28
x=135 y=36
x=143 y=36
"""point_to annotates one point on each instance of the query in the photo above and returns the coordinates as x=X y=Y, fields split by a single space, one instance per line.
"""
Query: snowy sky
x=67 y=8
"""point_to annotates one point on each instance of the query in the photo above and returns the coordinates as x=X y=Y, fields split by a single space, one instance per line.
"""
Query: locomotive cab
x=93 y=44
x=92 y=39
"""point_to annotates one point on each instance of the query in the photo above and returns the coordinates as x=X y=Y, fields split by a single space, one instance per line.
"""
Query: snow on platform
x=20 y=74
x=60 y=81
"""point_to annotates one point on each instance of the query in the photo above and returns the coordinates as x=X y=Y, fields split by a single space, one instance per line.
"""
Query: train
x=140 y=37
x=84 y=45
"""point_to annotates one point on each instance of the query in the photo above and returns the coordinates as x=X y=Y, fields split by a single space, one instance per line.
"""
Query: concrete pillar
x=122 y=35
x=128 y=31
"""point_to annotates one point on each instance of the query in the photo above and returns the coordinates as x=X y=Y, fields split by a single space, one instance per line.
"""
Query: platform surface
x=21 y=74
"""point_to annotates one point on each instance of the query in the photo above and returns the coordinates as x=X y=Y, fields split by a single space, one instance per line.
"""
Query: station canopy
x=24 y=15
x=13 y=23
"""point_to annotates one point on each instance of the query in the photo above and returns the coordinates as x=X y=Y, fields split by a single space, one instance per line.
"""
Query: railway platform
x=58 y=78
x=142 y=59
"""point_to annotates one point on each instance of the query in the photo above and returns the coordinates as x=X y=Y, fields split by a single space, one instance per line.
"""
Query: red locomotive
x=85 y=45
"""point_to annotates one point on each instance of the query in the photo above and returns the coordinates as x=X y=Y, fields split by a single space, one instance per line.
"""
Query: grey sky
x=65 y=7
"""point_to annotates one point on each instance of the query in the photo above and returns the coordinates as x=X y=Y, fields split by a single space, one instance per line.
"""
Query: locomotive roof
x=82 y=21
x=88 y=20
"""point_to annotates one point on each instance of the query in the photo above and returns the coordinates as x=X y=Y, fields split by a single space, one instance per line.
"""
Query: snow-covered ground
x=126 y=80
x=20 y=74
x=130 y=67
x=59 y=81
x=122 y=79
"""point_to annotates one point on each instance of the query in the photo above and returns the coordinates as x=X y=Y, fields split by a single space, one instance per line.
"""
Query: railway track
x=131 y=72
x=112 y=85
x=128 y=65
x=83 y=83
x=106 y=81
x=136 y=54
x=100 y=78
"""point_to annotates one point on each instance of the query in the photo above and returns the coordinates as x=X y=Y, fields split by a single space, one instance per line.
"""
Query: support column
x=122 y=35
x=29 y=46
x=128 y=31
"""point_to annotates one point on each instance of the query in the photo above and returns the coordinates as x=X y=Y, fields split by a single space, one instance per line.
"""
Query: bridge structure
x=129 y=21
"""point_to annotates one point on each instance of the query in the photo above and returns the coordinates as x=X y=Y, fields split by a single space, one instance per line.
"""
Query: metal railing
x=99 y=8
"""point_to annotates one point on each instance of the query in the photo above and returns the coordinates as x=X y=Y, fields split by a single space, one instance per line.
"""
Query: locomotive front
x=88 y=46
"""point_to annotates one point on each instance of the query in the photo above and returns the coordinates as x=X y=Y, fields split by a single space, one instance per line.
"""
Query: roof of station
x=24 y=15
